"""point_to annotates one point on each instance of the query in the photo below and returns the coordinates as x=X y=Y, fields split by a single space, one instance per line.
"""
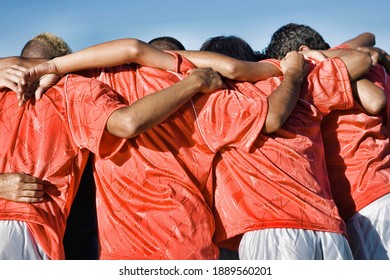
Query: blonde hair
x=45 y=45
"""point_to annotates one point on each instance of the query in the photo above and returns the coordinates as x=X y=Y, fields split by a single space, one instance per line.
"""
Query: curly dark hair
x=290 y=37
x=232 y=46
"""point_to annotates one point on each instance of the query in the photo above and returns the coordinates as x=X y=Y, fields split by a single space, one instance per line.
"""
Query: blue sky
x=83 y=23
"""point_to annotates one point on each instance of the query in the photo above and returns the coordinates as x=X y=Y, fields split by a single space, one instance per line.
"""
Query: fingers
x=30 y=186
x=25 y=192
x=30 y=199
x=40 y=90
x=6 y=83
x=9 y=77
x=26 y=86
x=375 y=53
x=31 y=193
x=30 y=179
x=294 y=65
x=21 y=187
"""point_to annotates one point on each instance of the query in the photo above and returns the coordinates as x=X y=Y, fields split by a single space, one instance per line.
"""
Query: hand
x=21 y=187
x=209 y=79
x=375 y=53
x=9 y=77
x=39 y=88
x=37 y=80
x=294 y=64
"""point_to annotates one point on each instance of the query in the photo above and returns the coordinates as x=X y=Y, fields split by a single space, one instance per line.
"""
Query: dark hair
x=166 y=43
x=232 y=46
x=45 y=45
x=290 y=37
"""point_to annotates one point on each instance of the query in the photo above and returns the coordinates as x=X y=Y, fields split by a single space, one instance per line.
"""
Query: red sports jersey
x=50 y=139
x=150 y=195
x=357 y=150
x=282 y=182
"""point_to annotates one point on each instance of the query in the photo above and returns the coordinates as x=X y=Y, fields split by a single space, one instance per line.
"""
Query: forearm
x=282 y=102
x=154 y=108
x=365 y=39
x=6 y=62
x=114 y=53
x=151 y=110
x=232 y=68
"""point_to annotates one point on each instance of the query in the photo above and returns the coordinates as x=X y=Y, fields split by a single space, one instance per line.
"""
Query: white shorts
x=293 y=244
x=17 y=243
x=369 y=231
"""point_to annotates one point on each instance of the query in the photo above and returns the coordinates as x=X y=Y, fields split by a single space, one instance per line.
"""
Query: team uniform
x=282 y=183
x=357 y=150
x=152 y=198
x=51 y=140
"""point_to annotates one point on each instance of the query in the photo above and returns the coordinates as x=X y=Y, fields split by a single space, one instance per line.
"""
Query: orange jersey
x=50 y=139
x=151 y=194
x=282 y=182
x=357 y=151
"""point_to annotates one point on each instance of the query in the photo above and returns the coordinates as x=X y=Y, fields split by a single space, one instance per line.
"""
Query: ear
x=303 y=48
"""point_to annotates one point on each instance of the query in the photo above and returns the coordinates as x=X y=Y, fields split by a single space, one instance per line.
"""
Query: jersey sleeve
x=89 y=105
x=272 y=61
x=330 y=86
x=183 y=65
x=229 y=118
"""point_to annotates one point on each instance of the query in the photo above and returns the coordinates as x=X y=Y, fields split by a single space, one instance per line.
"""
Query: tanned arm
x=154 y=108
x=283 y=100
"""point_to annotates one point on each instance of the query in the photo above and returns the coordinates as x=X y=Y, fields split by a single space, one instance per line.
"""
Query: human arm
x=364 y=39
x=283 y=100
x=21 y=187
x=366 y=93
x=134 y=51
x=369 y=95
x=6 y=62
x=377 y=55
x=107 y=54
x=357 y=62
x=10 y=76
x=154 y=108
x=232 y=68
x=102 y=55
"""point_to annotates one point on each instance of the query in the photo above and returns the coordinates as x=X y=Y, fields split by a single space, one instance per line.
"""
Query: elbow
x=130 y=128
x=370 y=38
x=123 y=125
x=232 y=71
x=272 y=124
x=133 y=47
x=376 y=105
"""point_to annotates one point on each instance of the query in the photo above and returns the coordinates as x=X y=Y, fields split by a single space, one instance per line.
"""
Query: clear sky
x=83 y=23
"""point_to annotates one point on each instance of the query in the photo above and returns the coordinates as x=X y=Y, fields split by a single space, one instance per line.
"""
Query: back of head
x=166 y=43
x=292 y=36
x=232 y=46
x=45 y=45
